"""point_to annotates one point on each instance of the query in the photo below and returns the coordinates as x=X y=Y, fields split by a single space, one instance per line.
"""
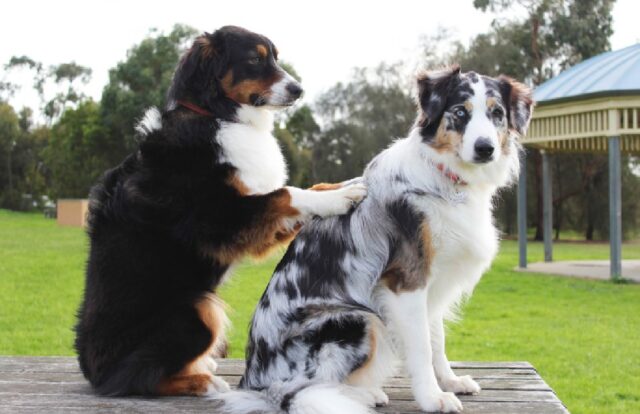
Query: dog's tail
x=290 y=398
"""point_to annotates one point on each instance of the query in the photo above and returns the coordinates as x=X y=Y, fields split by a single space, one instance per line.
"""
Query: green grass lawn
x=583 y=336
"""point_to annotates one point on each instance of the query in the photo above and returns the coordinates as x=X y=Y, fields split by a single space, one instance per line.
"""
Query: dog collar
x=195 y=108
x=455 y=178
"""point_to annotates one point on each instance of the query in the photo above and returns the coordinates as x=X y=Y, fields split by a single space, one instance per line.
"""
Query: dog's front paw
x=461 y=385
x=440 y=402
x=341 y=200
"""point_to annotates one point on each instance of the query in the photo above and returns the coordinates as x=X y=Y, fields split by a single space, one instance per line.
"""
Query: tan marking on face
x=267 y=233
x=241 y=92
x=325 y=187
x=446 y=140
x=503 y=133
x=262 y=51
x=468 y=106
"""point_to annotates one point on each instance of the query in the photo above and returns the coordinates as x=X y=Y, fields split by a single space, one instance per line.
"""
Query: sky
x=324 y=40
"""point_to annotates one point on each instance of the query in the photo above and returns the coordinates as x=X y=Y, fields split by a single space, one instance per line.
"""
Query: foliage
x=581 y=335
x=63 y=77
x=362 y=117
x=74 y=155
x=137 y=83
x=22 y=179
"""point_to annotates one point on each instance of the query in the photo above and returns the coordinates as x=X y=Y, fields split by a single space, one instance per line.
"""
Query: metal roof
x=611 y=73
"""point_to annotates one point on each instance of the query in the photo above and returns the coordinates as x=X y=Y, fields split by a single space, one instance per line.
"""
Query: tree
x=9 y=135
x=22 y=179
x=140 y=81
x=74 y=155
x=62 y=79
x=361 y=117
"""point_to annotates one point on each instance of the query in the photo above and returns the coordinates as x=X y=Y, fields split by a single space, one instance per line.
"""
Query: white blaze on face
x=480 y=125
x=279 y=95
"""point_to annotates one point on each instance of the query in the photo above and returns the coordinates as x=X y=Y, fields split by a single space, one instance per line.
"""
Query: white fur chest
x=464 y=240
x=250 y=146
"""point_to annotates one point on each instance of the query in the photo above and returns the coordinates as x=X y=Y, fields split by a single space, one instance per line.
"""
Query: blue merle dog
x=354 y=291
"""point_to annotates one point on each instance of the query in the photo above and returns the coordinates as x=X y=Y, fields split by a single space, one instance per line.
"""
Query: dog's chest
x=462 y=233
x=255 y=154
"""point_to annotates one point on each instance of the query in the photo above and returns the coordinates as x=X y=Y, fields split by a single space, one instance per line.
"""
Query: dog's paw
x=341 y=200
x=217 y=386
x=461 y=385
x=440 y=402
x=212 y=365
x=380 y=397
x=326 y=203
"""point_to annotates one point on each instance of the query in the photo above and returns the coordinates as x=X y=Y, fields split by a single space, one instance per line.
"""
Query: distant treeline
x=330 y=140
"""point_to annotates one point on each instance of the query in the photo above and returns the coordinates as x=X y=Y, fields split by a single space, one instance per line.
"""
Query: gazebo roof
x=582 y=107
x=610 y=73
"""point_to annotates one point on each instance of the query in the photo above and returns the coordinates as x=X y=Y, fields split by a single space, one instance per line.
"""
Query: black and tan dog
x=204 y=188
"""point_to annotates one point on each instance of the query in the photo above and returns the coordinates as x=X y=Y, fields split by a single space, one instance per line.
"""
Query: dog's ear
x=518 y=101
x=200 y=69
x=433 y=89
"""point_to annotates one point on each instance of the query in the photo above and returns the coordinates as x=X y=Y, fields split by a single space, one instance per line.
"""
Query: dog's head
x=233 y=65
x=471 y=116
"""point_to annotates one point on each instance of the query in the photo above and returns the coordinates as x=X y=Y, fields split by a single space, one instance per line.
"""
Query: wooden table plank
x=55 y=385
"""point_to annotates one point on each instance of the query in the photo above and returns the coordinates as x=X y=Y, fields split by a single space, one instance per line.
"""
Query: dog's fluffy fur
x=203 y=189
x=355 y=290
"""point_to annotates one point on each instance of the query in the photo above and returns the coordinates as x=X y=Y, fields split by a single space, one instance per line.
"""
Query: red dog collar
x=195 y=108
x=451 y=175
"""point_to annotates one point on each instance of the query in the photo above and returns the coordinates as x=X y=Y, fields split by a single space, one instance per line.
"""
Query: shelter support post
x=615 y=208
x=547 y=209
x=522 y=211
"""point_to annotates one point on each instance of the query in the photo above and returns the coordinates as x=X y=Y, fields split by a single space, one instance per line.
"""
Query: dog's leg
x=378 y=366
x=335 y=186
x=324 y=201
x=407 y=312
x=449 y=381
x=254 y=224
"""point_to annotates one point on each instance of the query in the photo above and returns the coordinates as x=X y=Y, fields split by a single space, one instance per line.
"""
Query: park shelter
x=592 y=107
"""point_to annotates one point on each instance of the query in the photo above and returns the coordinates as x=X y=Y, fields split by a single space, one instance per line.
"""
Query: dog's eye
x=460 y=113
x=255 y=60
x=497 y=112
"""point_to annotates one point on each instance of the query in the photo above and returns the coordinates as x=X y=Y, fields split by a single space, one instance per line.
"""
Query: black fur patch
x=406 y=218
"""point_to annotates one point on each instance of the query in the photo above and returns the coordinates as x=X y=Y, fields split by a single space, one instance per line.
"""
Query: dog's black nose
x=294 y=90
x=484 y=150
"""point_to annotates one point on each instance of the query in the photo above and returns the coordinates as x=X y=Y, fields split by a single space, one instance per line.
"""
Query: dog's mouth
x=272 y=100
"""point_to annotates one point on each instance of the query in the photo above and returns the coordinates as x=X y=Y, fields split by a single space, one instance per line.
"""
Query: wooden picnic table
x=55 y=385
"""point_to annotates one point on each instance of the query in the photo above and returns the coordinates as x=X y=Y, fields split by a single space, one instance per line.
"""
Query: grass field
x=583 y=336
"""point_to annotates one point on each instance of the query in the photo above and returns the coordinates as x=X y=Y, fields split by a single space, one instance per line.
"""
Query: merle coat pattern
x=353 y=291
